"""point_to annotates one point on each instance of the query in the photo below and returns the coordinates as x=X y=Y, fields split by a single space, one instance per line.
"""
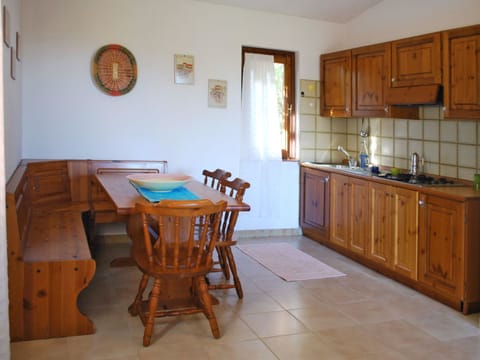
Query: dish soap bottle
x=363 y=155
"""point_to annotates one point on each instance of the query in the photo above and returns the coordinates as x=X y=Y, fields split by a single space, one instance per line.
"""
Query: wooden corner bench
x=52 y=207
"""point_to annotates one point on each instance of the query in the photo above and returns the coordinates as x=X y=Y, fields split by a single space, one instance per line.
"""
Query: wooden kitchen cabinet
x=461 y=74
x=393 y=236
x=314 y=202
x=370 y=80
x=416 y=61
x=441 y=245
x=349 y=208
x=335 y=84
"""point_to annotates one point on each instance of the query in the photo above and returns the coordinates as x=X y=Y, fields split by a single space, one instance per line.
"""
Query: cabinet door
x=335 y=84
x=381 y=216
x=416 y=61
x=315 y=198
x=461 y=75
x=339 y=209
x=370 y=66
x=405 y=232
x=441 y=245
x=358 y=222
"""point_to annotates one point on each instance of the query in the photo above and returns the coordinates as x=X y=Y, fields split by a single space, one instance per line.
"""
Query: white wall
x=66 y=116
x=393 y=19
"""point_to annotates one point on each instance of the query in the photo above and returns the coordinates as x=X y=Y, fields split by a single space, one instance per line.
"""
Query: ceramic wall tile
x=387 y=127
x=415 y=146
x=307 y=123
x=374 y=127
x=467 y=156
x=307 y=140
x=352 y=143
x=387 y=147
x=431 y=112
x=352 y=126
x=338 y=139
x=308 y=106
x=339 y=126
x=322 y=156
x=431 y=130
x=431 y=151
x=467 y=132
x=431 y=168
x=448 y=153
x=401 y=127
x=323 y=141
x=466 y=173
x=447 y=170
x=400 y=148
x=415 y=129
x=324 y=124
x=448 y=131
x=308 y=88
x=400 y=163
x=307 y=155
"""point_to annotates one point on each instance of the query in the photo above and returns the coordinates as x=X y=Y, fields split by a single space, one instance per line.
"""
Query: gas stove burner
x=422 y=180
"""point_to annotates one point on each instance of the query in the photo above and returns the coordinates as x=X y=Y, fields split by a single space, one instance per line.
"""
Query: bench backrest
x=18 y=201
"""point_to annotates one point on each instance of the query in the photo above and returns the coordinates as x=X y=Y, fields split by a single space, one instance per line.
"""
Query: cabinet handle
x=393 y=79
x=326 y=179
x=346 y=109
x=444 y=108
x=421 y=203
x=386 y=108
x=331 y=112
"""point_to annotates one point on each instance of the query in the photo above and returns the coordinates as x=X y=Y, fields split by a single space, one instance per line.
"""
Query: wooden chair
x=173 y=243
x=213 y=178
x=236 y=189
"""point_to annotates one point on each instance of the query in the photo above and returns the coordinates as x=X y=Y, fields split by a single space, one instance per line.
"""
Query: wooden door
x=358 y=217
x=416 y=61
x=405 y=232
x=381 y=221
x=441 y=245
x=335 y=84
x=370 y=79
x=339 y=210
x=461 y=77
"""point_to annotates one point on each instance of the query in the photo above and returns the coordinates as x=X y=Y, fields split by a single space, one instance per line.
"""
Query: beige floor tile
x=360 y=316
x=274 y=324
x=368 y=311
x=322 y=317
x=255 y=349
x=302 y=346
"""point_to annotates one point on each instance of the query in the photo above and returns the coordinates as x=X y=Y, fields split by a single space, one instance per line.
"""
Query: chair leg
x=152 y=308
x=203 y=294
x=233 y=269
x=135 y=307
x=222 y=259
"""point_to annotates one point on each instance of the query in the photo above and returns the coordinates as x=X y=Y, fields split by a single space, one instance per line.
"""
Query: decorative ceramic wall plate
x=114 y=69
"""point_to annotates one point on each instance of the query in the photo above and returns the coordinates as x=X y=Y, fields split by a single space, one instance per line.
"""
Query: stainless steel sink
x=354 y=170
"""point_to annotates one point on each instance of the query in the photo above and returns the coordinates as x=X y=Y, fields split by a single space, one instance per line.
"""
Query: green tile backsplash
x=449 y=148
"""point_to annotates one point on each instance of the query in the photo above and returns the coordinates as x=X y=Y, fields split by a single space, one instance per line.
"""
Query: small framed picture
x=184 y=69
x=12 y=63
x=217 y=93
x=6 y=26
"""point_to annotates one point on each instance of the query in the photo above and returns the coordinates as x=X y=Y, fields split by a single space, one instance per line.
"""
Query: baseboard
x=267 y=233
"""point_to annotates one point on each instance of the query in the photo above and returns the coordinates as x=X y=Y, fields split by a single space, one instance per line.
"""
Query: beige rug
x=288 y=262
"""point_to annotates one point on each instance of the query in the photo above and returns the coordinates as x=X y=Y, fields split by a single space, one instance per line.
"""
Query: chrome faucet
x=351 y=161
x=414 y=162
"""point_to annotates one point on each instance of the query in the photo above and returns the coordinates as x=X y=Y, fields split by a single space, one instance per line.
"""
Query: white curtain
x=261 y=145
x=260 y=119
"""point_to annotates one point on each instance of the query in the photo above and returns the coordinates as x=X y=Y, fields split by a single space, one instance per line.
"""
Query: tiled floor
x=361 y=316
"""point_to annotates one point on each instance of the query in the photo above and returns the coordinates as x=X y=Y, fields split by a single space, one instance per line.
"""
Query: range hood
x=415 y=95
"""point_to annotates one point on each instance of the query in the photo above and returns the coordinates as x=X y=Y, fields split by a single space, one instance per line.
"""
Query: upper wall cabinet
x=335 y=84
x=461 y=73
x=416 y=61
x=370 y=80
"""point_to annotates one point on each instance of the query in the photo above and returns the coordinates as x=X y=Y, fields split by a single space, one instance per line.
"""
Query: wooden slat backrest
x=178 y=236
x=214 y=178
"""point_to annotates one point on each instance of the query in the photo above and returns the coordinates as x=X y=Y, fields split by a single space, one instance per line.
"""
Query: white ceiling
x=338 y=11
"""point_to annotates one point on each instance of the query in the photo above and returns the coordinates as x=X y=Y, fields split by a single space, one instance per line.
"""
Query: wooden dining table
x=124 y=195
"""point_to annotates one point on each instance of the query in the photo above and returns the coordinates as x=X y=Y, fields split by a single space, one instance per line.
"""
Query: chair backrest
x=235 y=188
x=179 y=236
x=214 y=178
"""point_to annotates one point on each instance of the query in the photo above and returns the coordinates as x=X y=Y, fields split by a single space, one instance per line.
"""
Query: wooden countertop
x=460 y=193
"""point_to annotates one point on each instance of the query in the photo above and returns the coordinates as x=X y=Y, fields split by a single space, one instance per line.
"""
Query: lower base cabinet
x=427 y=241
x=393 y=236
x=442 y=242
